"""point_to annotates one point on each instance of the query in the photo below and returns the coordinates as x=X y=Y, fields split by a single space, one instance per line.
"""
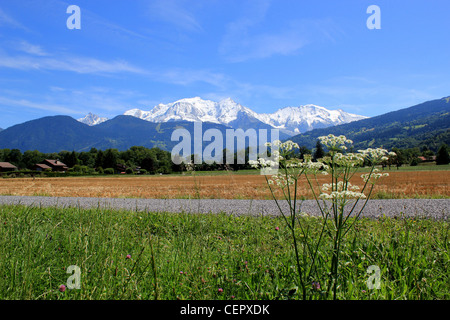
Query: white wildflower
x=372 y=178
x=342 y=195
x=333 y=142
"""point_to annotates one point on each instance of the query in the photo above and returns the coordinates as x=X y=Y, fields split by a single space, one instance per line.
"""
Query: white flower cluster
x=314 y=167
x=284 y=146
x=294 y=168
x=376 y=155
x=340 y=186
x=333 y=142
x=342 y=195
x=346 y=160
x=340 y=191
x=281 y=180
x=262 y=163
x=374 y=176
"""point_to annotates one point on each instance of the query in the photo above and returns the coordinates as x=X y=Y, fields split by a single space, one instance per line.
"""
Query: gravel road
x=429 y=208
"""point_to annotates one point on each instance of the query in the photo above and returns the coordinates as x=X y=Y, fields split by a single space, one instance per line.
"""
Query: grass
x=190 y=256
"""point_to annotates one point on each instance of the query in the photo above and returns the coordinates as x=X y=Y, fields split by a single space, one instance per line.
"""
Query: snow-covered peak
x=92 y=119
x=192 y=109
x=291 y=120
x=295 y=120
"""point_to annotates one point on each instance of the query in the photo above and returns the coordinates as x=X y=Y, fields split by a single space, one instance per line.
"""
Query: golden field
x=400 y=184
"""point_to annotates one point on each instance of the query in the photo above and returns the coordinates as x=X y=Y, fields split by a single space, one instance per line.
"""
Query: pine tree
x=442 y=155
x=99 y=159
x=319 y=153
x=72 y=160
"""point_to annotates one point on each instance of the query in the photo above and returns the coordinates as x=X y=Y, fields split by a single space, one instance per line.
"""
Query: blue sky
x=263 y=54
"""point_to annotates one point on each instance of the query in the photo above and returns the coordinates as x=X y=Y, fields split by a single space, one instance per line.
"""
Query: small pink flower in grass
x=316 y=285
x=62 y=288
x=128 y=256
x=277 y=228
x=220 y=290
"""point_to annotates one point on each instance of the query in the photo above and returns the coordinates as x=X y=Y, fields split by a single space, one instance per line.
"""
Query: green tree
x=87 y=159
x=399 y=158
x=99 y=159
x=3 y=154
x=149 y=164
x=111 y=157
x=319 y=153
x=71 y=160
x=31 y=158
x=15 y=157
x=443 y=156
x=303 y=151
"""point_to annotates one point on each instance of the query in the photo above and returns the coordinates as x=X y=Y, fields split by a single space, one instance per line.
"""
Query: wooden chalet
x=42 y=167
x=6 y=167
x=55 y=165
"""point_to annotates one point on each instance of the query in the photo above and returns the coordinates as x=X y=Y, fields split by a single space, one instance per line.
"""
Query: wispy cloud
x=175 y=13
x=29 y=48
x=248 y=38
x=237 y=48
x=77 y=64
x=186 y=76
x=72 y=101
x=24 y=103
x=9 y=21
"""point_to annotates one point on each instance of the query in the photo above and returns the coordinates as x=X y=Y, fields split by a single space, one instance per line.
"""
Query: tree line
x=155 y=160
x=152 y=160
x=136 y=159
x=406 y=156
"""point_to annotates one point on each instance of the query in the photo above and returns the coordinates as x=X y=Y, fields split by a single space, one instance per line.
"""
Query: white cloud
x=77 y=64
x=7 y=20
x=23 y=103
x=175 y=13
x=184 y=76
x=31 y=48
x=261 y=46
x=254 y=35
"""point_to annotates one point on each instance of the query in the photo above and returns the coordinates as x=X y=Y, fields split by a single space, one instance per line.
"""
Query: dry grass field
x=410 y=184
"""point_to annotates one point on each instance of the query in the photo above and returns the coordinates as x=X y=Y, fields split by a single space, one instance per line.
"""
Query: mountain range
x=425 y=124
x=57 y=133
x=289 y=120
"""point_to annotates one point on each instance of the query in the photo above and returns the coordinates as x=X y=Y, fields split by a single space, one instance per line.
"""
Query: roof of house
x=43 y=166
x=7 y=165
x=56 y=163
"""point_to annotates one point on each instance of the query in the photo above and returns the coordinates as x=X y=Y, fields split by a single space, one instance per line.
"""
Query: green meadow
x=145 y=255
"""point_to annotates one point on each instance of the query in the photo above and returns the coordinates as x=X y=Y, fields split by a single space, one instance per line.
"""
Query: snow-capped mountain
x=92 y=119
x=295 y=120
x=290 y=120
x=194 y=109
